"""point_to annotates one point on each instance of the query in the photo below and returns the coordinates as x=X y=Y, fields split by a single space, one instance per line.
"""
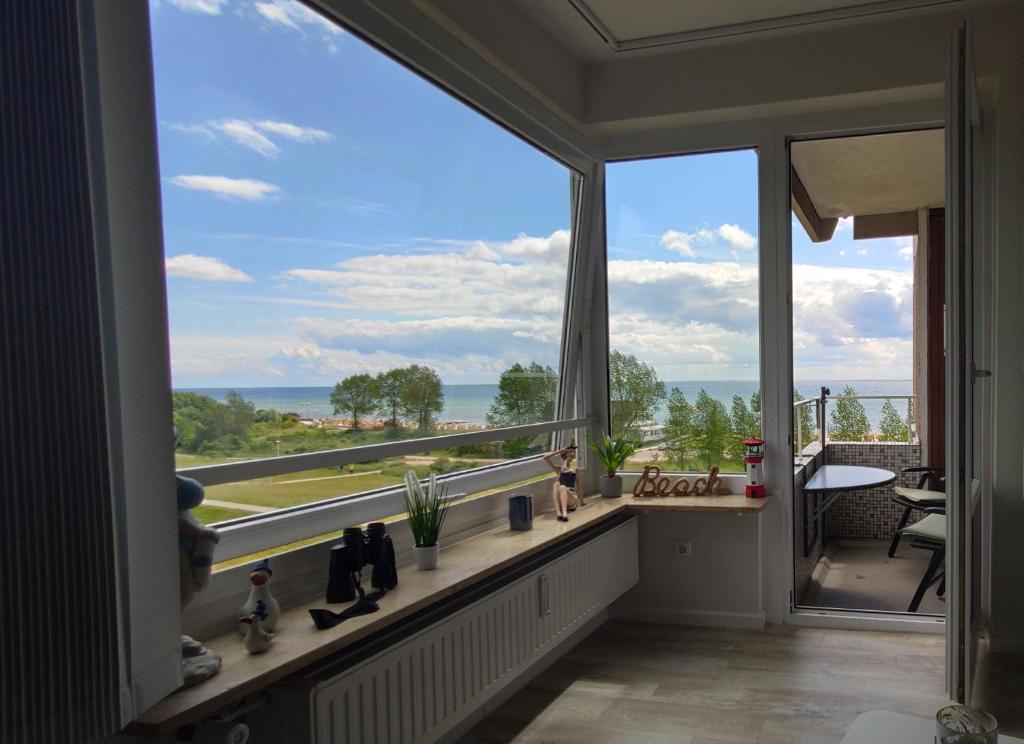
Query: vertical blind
x=59 y=656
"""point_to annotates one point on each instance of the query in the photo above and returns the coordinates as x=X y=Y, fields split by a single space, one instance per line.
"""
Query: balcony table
x=832 y=481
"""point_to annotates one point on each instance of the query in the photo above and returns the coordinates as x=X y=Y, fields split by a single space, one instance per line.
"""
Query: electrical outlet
x=683 y=548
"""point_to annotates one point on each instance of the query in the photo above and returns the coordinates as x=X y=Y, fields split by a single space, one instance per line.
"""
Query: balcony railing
x=803 y=438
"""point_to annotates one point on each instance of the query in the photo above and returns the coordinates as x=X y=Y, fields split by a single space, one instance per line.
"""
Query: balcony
x=841 y=555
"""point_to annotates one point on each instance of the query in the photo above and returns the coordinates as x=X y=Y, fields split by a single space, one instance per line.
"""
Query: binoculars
x=355 y=551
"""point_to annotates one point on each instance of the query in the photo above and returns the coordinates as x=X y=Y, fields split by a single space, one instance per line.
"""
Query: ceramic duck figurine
x=260 y=592
x=257 y=639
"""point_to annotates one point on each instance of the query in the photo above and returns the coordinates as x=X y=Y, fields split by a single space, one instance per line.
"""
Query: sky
x=328 y=212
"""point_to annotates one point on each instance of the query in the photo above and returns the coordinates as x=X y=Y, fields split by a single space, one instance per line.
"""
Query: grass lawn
x=273 y=492
x=213 y=514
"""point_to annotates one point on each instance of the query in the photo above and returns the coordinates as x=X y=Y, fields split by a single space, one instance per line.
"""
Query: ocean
x=470 y=402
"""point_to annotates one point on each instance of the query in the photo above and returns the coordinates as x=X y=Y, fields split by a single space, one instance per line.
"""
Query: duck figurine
x=259 y=577
x=257 y=638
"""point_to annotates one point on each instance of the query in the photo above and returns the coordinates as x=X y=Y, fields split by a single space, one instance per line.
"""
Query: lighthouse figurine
x=755 y=468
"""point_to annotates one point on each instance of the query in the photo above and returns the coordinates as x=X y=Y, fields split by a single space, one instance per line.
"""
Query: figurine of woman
x=563 y=492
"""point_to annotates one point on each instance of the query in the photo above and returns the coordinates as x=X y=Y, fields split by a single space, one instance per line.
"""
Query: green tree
x=635 y=391
x=390 y=386
x=711 y=427
x=805 y=415
x=526 y=395
x=745 y=423
x=422 y=396
x=894 y=428
x=356 y=395
x=678 y=427
x=849 y=420
x=203 y=422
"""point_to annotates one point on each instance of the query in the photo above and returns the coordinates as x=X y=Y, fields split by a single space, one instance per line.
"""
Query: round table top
x=848 y=478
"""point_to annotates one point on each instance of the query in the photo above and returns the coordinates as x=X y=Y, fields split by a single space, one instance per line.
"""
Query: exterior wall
x=871 y=514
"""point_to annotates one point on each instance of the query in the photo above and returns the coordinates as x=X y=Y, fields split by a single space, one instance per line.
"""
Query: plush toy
x=195 y=539
x=195 y=562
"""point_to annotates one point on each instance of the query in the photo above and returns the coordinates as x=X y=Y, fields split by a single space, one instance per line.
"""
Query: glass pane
x=857 y=312
x=353 y=255
x=683 y=308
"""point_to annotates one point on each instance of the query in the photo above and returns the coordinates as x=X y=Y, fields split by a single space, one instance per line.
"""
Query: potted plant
x=612 y=453
x=427 y=509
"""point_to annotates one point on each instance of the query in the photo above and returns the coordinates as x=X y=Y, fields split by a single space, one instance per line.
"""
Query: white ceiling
x=598 y=29
x=874 y=174
x=638 y=19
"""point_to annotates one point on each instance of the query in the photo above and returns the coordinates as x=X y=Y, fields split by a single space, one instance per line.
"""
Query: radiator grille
x=422 y=688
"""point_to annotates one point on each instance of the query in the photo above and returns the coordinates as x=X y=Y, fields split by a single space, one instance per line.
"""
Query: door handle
x=544 y=590
x=979 y=373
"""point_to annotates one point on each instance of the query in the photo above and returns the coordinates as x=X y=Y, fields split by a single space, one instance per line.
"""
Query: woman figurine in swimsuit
x=563 y=463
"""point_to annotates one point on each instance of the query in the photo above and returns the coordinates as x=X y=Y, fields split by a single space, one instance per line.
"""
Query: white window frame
x=658 y=150
x=301 y=522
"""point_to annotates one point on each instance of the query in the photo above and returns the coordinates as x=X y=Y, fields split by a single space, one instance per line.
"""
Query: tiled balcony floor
x=858 y=575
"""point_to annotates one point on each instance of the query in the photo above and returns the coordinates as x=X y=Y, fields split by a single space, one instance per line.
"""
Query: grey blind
x=58 y=614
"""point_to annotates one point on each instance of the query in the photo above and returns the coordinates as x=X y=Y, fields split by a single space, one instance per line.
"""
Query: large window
x=356 y=261
x=683 y=308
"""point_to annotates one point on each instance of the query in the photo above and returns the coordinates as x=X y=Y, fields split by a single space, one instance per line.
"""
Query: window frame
x=657 y=152
x=507 y=106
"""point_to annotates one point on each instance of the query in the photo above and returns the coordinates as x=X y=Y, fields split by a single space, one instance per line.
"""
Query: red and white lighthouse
x=755 y=468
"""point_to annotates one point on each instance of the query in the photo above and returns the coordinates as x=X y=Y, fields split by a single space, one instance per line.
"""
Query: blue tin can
x=520 y=512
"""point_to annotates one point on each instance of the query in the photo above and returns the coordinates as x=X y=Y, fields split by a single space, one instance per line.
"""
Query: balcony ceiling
x=876 y=174
x=599 y=29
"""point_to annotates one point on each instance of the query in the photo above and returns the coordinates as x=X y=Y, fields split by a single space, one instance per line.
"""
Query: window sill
x=298 y=644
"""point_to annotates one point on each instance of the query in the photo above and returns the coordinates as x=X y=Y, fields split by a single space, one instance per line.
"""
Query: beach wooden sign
x=652 y=484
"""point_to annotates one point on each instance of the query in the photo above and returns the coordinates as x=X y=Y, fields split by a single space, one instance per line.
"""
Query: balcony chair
x=929 y=534
x=921 y=498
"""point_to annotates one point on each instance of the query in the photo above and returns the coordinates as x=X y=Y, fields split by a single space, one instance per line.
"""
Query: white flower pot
x=426 y=558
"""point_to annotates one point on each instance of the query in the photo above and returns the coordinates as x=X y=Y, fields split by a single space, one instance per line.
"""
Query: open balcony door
x=963 y=478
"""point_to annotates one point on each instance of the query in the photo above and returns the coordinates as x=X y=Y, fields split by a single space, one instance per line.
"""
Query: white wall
x=719 y=584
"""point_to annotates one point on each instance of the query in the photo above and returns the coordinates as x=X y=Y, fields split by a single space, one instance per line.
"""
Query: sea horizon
x=469 y=402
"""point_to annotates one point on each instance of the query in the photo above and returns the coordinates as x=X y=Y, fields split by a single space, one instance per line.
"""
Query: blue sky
x=327 y=212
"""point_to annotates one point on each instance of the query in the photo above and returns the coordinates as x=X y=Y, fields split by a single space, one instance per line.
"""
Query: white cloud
x=906 y=252
x=252 y=134
x=231 y=188
x=845 y=224
x=862 y=251
x=246 y=135
x=204 y=268
x=679 y=242
x=685 y=244
x=737 y=236
x=292 y=14
x=293 y=131
x=200 y=130
x=480 y=251
x=206 y=7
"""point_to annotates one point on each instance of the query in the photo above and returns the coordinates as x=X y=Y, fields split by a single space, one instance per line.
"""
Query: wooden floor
x=636 y=683
x=999 y=688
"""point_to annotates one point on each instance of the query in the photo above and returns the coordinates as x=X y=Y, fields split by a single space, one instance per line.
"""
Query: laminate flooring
x=630 y=682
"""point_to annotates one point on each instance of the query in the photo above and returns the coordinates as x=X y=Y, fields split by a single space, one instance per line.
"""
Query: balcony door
x=965 y=411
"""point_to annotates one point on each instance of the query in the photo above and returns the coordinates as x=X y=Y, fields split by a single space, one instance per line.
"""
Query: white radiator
x=421 y=687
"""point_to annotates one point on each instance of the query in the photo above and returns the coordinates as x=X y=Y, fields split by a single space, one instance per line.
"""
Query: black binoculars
x=355 y=551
